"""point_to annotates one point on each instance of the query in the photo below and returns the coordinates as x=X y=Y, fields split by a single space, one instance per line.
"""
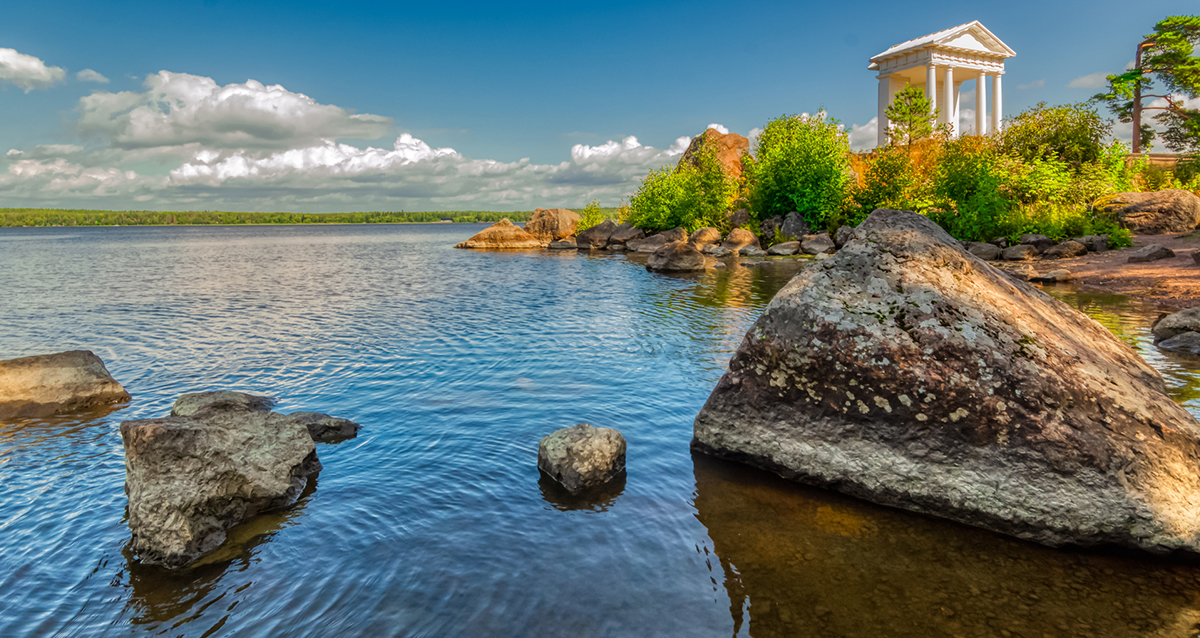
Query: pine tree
x=910 y=117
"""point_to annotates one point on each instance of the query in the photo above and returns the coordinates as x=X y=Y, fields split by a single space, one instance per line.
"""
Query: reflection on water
x=436 y=520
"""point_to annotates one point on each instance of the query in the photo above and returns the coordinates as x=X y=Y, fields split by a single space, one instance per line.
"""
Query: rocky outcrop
x=503 y=235
x=730 y=147
x=582 y=456
x=1157 y=213
x=1176 y=323
x=597 y=236
x=654 y=242
x=985 y=251
x=817 y=244
x=1066 y=249
x=705 y=237
x=552 y=224
x=48 y=384
x=794 y=226
x=677 y=256
x=626 y=233
x=739 y=237
x=1153 y=252
x=191 y=478
x=908 y=372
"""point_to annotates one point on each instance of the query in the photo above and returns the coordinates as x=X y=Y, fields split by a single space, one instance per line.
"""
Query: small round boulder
x=582 y=456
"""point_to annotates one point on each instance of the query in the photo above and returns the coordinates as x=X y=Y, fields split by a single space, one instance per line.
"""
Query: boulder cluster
x=1178 y=332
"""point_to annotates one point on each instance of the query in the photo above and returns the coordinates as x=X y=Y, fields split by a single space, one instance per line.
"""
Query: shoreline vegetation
x=50 y=217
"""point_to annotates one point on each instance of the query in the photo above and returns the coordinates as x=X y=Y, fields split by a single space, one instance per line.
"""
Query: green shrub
x=1072 y=133
x=591 y=216
x=690 y=196
x=968 y=189
x=802 y=165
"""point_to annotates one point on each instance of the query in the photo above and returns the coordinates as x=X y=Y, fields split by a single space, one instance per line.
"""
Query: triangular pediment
x=971 y=36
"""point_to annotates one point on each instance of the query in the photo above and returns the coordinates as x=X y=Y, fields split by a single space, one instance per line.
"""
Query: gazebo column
x=981 y=122
x=997 y=122
x=931 y=87
x=885 y=94
x=951 y=106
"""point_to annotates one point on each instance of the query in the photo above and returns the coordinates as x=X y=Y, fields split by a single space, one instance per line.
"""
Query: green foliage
x=802 y=165
x=889 y=181
x=591 y=216
x=1167 y=55
x=967 y=188
x=910 y=116
x=75 y=217
x=1073 y=133
x=692 y=196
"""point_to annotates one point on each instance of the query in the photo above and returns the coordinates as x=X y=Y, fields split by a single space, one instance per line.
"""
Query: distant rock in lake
x=503 y=235
x=48 y=384
x=908 y=372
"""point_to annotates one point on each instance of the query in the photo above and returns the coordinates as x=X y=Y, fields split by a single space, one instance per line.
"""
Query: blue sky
x=500 y=105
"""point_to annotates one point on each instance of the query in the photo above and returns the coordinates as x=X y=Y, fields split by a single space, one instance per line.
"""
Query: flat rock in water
x=1153 y=252
x=1170 y=211
x=191 y=478
x=1186 y=342
x=1020 y=252
x=503 y=235
x=677 y=256
x=597 y=236
x=48 y=384
x=1065 y=250
x=552 y=224
x=906 y=371
x=985 y=251
x=786 y=248
x=1176 y=324
x=582 y=456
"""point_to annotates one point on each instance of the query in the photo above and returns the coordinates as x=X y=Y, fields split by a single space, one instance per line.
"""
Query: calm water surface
x=435 y=522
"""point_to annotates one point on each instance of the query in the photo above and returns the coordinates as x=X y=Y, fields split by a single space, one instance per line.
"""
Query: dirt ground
x=1172 y=282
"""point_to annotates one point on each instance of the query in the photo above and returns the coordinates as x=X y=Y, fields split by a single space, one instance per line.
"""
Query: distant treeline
x=60 y=217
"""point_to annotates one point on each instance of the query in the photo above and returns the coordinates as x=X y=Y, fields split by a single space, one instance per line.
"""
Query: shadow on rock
x=597 y=499
x=803 y=561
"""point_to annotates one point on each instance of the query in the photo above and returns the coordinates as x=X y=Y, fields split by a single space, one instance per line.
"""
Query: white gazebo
x=939 y=63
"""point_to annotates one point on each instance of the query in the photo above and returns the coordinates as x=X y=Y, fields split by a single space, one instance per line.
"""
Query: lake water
x=435 y=521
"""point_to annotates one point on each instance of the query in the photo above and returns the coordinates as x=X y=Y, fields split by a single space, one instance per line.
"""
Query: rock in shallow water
x=677 y=256
x=503 y=235
x=48 y=384
x=905 y=371
x=582 y=456
x=1187 y=342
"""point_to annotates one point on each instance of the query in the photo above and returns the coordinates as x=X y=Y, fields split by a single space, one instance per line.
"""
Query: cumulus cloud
x=1089 y=81
x=28 y=72
x=177 y=109
x=88 y=75
x=1036 y=84
x=864 y=136
x=718 y=128
x=753 y=136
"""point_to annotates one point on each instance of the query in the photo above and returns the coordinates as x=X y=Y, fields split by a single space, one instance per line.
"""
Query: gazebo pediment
x=971 y=40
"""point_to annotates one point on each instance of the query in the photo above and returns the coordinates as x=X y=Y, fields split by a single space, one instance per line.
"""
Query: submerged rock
x=552 y=224
x=503 y=235
x=906 y=371
x=191 y=478
x=1170 y=211
x=582 y=456
x=677 y=256
x=47 y=384
x=324 y=428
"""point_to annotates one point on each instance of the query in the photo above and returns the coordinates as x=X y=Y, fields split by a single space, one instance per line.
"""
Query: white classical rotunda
x=942 y=61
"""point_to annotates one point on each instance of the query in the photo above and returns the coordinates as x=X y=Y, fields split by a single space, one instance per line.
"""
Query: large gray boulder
x=794 y=226
x=597 y=236
x=906 y=371
x=786 y=248
x=582 y=456
x=656 y=241
x=1176 y=323
x=191 y=478
x=1153 y=252
x=985 y=251
x=677 y=256
x=48 y=384
x=1170 y=211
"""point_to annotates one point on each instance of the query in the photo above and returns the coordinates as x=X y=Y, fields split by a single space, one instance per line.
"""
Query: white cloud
x=1090 y=81
x=178 y=109
x=753 y=137
x=28 y=72
x=88 y=75
x=718 y=128
x=864 y=136
x=1036 y=84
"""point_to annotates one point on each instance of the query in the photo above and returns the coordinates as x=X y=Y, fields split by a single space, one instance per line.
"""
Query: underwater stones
x=677 y=256
x=1153 y=252
x=1020 y=252
x=597 y=236
x=503 y=235
x=552 y=224
x=582 y=456
x=1169 y=211
x=739 y=238
x=985 y=251
x=47 y=384
x=906 y=371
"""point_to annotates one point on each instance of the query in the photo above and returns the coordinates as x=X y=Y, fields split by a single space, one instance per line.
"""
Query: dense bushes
x=693 y=196
x=802 y=164
x=591 y=216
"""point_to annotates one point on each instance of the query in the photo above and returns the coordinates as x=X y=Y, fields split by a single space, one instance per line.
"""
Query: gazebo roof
x=971 y=37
